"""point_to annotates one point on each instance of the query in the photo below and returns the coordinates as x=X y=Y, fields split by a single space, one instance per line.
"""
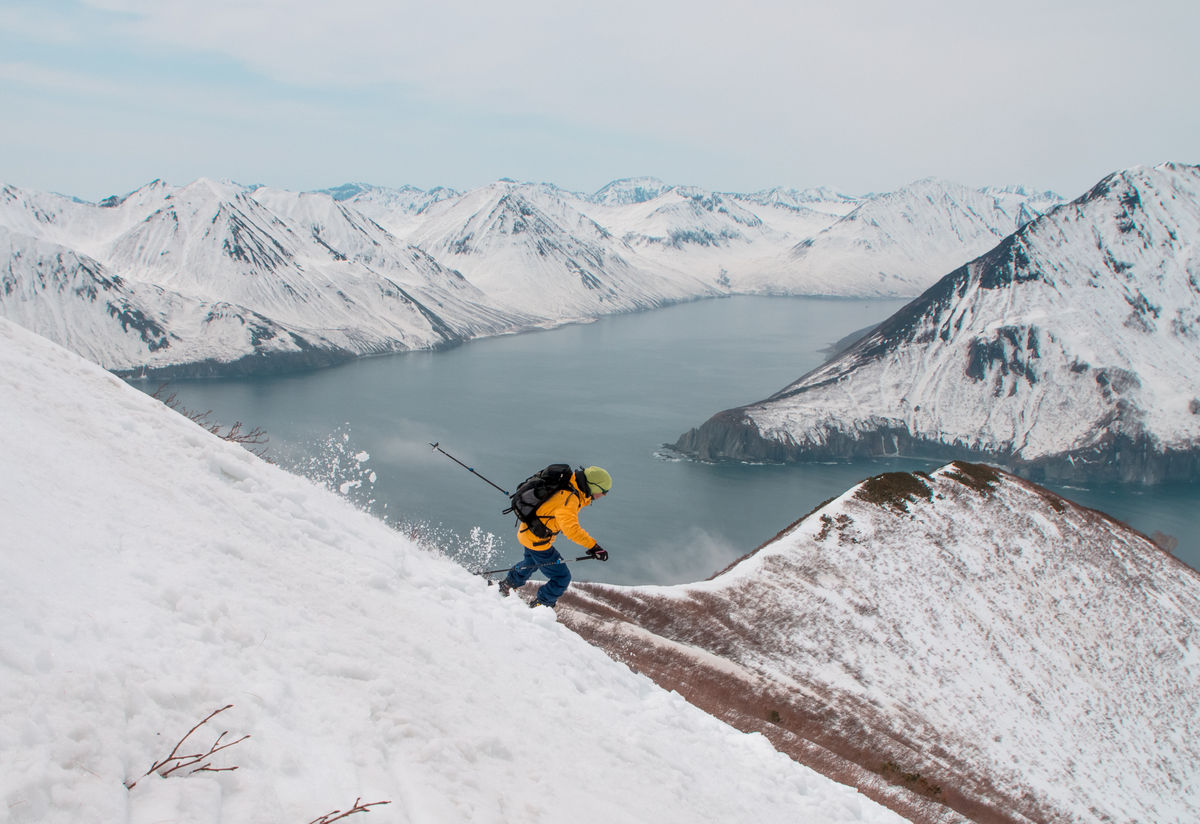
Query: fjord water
x=611 y=392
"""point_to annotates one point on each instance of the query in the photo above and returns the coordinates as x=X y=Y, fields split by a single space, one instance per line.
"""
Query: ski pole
x=468 y=468
x=537 y=566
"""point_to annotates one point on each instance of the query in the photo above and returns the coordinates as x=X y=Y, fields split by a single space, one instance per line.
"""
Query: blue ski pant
x=551 y=564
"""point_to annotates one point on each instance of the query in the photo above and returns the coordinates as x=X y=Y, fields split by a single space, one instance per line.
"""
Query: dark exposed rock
x=256 y=365
x=731 y=436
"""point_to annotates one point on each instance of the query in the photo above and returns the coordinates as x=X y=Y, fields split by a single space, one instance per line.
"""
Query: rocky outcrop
x=733 y=436
x=257 y=365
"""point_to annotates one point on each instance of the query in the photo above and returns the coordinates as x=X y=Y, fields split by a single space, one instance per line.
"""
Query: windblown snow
x=154 y=574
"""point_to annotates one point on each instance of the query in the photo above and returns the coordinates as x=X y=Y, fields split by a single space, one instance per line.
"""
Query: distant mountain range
x=1070 y=350
x=961 y=645
x=1063 y=344
x=217 y=278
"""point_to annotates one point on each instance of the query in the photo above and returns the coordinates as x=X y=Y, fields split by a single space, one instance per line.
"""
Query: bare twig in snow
x=256 y=437
x=337 y=815
x=174 y=762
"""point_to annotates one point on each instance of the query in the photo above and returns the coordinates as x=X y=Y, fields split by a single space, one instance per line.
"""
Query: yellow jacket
x=560 y=513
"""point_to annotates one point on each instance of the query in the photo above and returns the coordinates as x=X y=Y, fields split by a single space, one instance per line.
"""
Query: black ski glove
x=598 y=553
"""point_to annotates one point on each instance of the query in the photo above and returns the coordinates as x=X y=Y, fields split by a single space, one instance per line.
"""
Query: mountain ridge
x=1057 y=353
x=361 y=270
x=935 y=640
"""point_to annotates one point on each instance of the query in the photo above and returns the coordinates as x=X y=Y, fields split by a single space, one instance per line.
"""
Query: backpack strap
x=581 y=483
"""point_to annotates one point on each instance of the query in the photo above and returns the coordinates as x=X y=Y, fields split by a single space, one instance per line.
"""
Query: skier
x=560 y=514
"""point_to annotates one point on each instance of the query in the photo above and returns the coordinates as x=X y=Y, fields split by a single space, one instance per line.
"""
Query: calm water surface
x=608 y=393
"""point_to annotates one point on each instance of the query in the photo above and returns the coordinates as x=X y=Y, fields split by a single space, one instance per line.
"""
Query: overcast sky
x=98 y=97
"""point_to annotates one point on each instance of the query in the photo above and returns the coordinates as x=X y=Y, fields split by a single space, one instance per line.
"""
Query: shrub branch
x=253 y=440
x=338 y=815
x=175 y=762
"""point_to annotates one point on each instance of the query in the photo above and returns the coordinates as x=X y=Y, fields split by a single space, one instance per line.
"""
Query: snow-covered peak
x=820 y=199
x=73 y=223
x=681 y=218
x=201 y=231
x=1069 y=350
x=379 y=201
x=703 y=200
x=367 y=265
x=35 y=213
x=1025 y=202
x=205 y=190
x=529 y=245
x=891 y=244
x=1022 y=191
x=236 y=277
x=929 y=190
x=157 y=188
x=630 y=190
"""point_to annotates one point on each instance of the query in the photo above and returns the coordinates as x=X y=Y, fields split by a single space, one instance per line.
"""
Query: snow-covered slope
x=311 y=283
x=306 y=261
x=398 y=208
x=893 y=244
x=528 y=246
x=1071 y=350
x=153 y=574
x=698 y=240
x=132 y=326
x=962 y=645
x=684 y=216
x=1027 y=204
x=818 y=199
x=630 y=190
x=716 y=237
x=361 y=270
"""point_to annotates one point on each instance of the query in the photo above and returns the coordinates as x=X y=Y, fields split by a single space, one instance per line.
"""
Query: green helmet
x=598 y=480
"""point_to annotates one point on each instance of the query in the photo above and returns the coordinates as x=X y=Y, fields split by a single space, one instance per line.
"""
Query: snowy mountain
x=707 y=242
x=724 y=239
x=131 y=326
x=529 y=246
x=692 y=216
x=890 y=244
x=397 y=208
x=1071 y=350
x=961 y=646
x=1028 y=204
x=154 y=574
x=313 y=278
x=233 y=286
x=630 y=190
x=365 y=197
x=820 y=199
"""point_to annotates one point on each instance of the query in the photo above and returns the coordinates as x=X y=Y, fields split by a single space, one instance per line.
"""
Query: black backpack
x=534 y=491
